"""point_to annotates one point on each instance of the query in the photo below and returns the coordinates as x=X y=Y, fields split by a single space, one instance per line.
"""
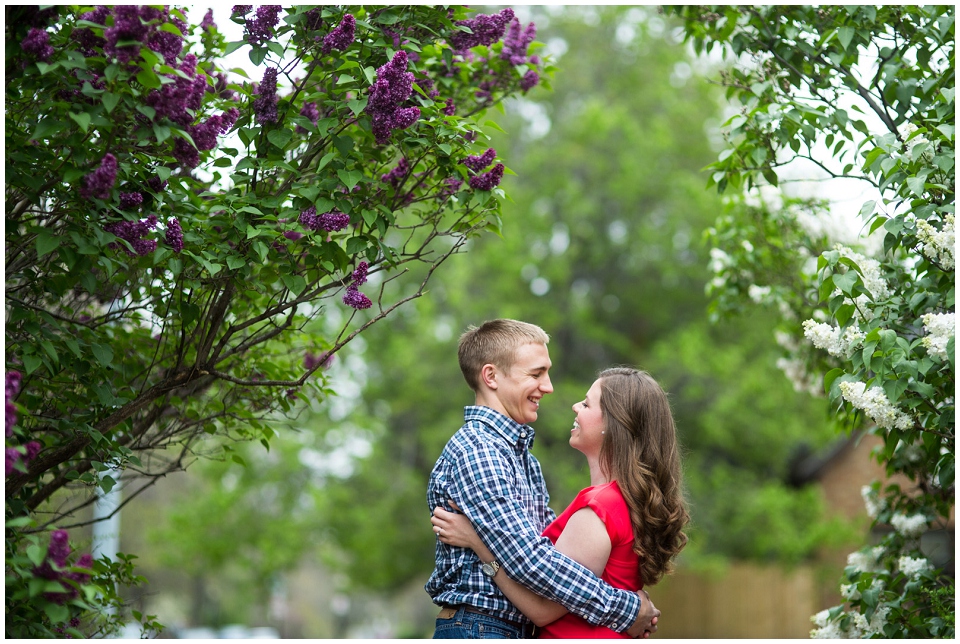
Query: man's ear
x=488 y=374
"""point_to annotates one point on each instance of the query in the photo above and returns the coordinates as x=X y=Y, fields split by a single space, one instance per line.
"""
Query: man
x=488 y=471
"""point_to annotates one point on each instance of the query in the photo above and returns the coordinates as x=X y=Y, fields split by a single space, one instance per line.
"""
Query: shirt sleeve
x=486 y=487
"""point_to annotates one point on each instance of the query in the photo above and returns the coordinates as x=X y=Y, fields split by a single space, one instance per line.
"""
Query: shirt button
x=523 y=434
x=615 y=626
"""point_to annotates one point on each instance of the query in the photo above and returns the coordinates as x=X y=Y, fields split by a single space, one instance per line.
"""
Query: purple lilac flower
x=156 y=184
x=450 y=108
x=59 y=548
x=333 y=221
x=478 y=163
x=207 y=23
x=310 y=111
x=187 y=155
x=127 y=26
x=265 y=107
x=33 y=448
x=393 y=86
x=353 y=297
x=100 y=182
x=166 y=44
x=133 y=232
x=486 y=30
x=313 y=360
x=529 y=80
x=360 y=274
x=241 y=9
x=396 y=176
x=37 y=44
x=174 y=234
x=292 y=235
x=451 y=186
x=516 y=42
x=130 y=200
x=341 y=37
x=308 y=218
x=88 y=40
x=260 y=29
x=13 y=380
x=173 y=100
x=428 y=87
x=313 y=19
x=12 y=456
x=488 y=180
x=85 y=561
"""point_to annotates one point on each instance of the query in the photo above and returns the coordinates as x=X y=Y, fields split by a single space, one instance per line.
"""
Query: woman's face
x=587 y=432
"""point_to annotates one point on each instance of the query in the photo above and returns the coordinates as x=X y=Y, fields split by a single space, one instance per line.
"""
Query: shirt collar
x=515 y=433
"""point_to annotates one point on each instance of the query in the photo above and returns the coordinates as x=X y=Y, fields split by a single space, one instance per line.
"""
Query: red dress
x=622 y=569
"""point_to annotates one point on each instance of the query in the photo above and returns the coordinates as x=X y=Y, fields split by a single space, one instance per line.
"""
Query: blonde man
x=487 y=470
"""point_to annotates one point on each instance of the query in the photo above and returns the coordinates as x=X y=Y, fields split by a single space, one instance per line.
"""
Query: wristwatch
x=490 y=569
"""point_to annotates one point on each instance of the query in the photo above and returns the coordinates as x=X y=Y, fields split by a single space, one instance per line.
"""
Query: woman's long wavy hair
x=640 y=451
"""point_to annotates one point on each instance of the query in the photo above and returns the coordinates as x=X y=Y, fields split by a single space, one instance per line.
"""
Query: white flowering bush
x=872 y=317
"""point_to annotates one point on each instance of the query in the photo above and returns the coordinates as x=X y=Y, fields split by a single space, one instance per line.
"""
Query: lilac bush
x=173 y=231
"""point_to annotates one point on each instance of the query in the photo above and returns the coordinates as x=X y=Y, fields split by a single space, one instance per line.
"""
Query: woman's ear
x=488 y=374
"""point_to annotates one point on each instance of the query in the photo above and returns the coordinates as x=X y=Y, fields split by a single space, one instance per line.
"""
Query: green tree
x=163 y=286
x=865 y=94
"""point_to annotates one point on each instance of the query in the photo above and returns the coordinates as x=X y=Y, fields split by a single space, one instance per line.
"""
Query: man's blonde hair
x=495 y=342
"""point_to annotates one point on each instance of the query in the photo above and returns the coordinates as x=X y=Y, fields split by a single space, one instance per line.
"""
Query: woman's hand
x=455 y=529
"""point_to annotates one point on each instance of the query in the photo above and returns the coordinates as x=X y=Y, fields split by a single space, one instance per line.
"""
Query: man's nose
x=545 y=385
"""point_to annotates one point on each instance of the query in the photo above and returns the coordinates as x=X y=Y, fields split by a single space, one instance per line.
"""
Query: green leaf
x=35 y=554
x=82 y=119
x=110 y=101
x=47 y=243
x=107 y=483
x=258 y=54
x=350 y=178
x=295 y=283
x=279 y=138
x=31 y=362
x=103 y=353
x=149 y=79
x=846 y=281
x=916 y=185
x=235 y=261
x=46 y=127
x=58 y=614
x=252 y=232
x=325 y=160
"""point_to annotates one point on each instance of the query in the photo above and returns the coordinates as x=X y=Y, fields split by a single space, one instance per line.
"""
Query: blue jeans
x=468 y=625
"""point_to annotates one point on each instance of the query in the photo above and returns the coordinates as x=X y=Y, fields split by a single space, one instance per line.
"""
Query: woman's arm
x=584 y=539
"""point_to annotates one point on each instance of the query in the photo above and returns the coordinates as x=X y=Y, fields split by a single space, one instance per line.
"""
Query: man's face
x=520 y=390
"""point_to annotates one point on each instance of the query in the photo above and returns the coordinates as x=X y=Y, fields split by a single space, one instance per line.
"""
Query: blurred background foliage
x=602 y=245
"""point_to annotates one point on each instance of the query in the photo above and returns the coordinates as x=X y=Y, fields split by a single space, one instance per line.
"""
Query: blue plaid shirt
x=488 y=470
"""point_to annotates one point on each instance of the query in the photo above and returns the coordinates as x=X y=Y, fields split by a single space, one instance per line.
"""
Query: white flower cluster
x=826 y=630
x=832 y=339
x=910 y=147
x=938 y=245
x=758 y=293
x=866 y=561
x=872 y=501
x=940 y=328
x=909 y=526
x=862 y=628
x=796 y=372
x=851 y=592
x=719 y=260
x=913 y=567
x=875 y=404
x=870 y=273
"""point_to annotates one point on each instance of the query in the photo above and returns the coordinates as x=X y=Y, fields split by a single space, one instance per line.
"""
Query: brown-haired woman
x=628 y=525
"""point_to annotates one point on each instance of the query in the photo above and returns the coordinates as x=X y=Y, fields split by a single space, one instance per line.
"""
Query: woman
x=628 y=525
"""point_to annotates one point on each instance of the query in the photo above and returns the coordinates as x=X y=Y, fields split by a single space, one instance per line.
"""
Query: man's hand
x=646 y=624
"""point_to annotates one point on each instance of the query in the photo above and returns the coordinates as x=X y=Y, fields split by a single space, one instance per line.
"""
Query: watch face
x=489 y=569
